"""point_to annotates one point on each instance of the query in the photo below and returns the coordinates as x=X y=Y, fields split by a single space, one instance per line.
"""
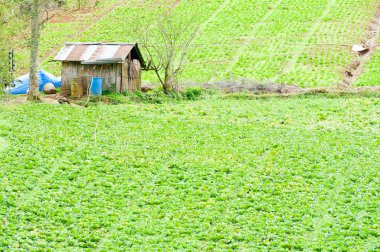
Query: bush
x=158 y=96
x=154 y=96
x=192 y=93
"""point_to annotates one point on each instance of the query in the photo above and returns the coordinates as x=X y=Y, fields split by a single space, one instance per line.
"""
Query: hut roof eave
x=98 y=53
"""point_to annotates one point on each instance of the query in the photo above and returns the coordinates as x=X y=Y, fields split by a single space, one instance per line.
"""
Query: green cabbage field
x=306 y=43
x=217 y=174
x=203 y=169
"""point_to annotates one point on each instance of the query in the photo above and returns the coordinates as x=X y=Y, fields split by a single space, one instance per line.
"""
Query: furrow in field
x=221 y=37
x=320 y=52
x=243 y=47
x=304 y=43
x=3 y=144
x=214 y=15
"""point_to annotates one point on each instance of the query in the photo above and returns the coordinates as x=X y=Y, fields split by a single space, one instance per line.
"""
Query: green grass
x=299 y=173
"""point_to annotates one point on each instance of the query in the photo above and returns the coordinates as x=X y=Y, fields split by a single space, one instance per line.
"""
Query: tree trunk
x=34 y=47
x=166 y=86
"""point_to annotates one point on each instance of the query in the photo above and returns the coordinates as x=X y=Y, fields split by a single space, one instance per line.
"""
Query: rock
x=49 y=88
x=145 y=89
x=63 y=100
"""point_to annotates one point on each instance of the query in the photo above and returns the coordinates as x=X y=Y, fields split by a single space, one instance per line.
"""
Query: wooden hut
x=118 y=64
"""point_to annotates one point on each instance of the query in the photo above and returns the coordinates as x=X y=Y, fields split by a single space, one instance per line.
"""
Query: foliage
x=9 y=27
x=158 y=96
x=166 y=45
x=312 y=48
x=298 y=173
x=192 y=93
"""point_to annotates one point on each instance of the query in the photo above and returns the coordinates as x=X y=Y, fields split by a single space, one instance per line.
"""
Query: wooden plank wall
x=125 y=77
x=116 y=77
x=135 y=75
x=131 y=74
x=72 y=70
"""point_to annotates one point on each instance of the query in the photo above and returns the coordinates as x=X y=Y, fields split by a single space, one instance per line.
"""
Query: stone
x=49 y=88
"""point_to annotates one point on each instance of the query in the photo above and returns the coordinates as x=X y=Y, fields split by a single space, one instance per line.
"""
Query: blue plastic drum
x=96 y=86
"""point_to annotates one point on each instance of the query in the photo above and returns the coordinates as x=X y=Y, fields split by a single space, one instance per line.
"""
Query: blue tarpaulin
x=22 y=83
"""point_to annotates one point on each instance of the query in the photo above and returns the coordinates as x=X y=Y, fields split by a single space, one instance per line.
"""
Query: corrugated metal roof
x=96 y=53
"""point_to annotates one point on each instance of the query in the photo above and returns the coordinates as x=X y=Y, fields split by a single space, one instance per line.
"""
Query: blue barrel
x=96 y=86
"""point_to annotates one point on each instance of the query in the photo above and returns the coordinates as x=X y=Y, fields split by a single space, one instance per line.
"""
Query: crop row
x=309 y=26
x=216 y=174
x=302 y=42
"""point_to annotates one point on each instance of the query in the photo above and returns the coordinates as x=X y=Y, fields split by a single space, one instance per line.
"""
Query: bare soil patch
x=48 y=99
x=176 y=3
x=282 y=89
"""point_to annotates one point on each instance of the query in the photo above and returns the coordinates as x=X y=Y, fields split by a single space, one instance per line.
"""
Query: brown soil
x=355 y=68
x=282 y=91
x=273 y=88
x=67 y=16
x=176 y=3
x=48 y=99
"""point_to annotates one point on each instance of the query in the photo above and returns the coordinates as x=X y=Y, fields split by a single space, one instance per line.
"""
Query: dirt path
x=231 y=87
x=227 y=90
x=356 y=68
x=176 y=3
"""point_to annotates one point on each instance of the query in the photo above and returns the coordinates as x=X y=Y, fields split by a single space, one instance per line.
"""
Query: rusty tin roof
x=98 y=53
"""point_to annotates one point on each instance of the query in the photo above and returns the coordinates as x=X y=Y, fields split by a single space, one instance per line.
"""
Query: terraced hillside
x=307 y=43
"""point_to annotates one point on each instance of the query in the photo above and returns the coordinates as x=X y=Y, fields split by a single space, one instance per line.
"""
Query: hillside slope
x=306 y=43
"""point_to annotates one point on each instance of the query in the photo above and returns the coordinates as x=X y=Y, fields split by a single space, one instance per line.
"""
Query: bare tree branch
x=165 y=45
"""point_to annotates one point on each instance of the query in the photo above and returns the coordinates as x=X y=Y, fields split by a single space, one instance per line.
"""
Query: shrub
x=192 y=93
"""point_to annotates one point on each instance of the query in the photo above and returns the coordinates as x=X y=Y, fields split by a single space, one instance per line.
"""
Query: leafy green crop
x=218 y=174
x=370 y=76
x=306 y=43
x=3 y=144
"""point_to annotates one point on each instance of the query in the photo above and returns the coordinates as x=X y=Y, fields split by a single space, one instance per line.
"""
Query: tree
x=38 y=15
x=21 y=12
x=34 y=48
x=165 y=46
x=7 y=15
